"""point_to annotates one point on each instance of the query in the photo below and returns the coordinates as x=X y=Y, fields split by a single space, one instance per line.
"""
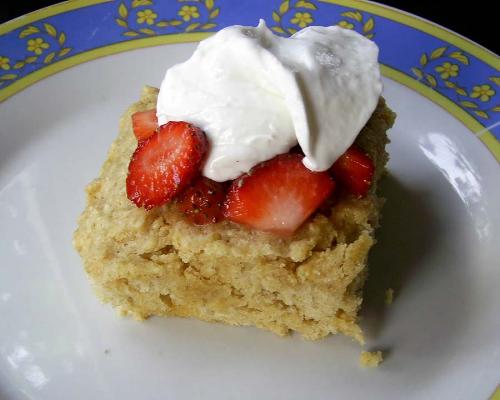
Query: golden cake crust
x=155 y=263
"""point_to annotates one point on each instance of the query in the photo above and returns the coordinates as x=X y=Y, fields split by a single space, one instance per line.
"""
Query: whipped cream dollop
x=257 y=95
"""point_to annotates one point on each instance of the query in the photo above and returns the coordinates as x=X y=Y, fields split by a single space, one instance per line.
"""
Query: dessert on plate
x=244 y=191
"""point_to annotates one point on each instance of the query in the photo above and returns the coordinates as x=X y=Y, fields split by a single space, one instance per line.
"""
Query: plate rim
x=481 y=130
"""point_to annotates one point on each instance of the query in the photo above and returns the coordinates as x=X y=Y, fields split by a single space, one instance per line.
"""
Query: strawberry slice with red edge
x=354 y=170
x=202 y=201
x=165 y=163
x=144 y=124
x=277 y=195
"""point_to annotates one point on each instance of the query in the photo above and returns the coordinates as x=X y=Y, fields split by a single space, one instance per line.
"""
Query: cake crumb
x=389 y=296
x=370 y=359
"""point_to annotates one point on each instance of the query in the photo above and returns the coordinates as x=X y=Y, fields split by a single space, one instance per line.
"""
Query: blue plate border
x=458 y=74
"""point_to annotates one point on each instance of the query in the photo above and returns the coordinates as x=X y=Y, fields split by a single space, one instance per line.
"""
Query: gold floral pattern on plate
x=141 y=18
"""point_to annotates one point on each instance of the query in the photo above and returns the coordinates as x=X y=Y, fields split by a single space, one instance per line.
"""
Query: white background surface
x=438 y=247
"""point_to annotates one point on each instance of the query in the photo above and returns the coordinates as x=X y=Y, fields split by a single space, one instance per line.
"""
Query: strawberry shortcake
x=244 y=191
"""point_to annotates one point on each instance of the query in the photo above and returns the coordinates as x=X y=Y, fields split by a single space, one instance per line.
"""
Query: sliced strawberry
x=202 y=201
x=144 y=124
x=277 y=195
x=354 y=169
x=165 y=163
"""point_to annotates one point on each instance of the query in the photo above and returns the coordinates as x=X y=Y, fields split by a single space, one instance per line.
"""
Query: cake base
x=156 y=263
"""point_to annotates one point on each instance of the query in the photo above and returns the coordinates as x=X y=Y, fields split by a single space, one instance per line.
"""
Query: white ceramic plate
x=438 y=248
